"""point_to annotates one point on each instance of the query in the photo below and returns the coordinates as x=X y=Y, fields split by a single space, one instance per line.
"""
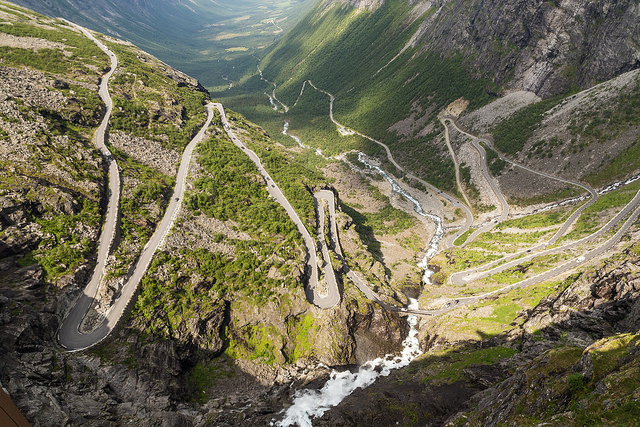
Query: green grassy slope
x=348 y=53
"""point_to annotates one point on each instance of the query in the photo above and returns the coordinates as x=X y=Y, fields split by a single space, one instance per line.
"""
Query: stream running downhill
x=433 y=245
x=309 y=403
x=432 y=249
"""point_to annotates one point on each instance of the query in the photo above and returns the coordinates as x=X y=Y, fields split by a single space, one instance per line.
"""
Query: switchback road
x=69 y=335
x=504 y=206
x=113 y=193
x=521 y=256
x=321 y=299
x=630 y=210
x=448 y=242
x=569 y=222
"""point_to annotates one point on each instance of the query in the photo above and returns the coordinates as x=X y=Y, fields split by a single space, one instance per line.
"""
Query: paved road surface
x=69 y=335
x=329 y=198
x=631 y=208
x=333 y=295
x=331 y=282
x=472 y=274
x=504 y=206
x=569 y=222
x=113 y=193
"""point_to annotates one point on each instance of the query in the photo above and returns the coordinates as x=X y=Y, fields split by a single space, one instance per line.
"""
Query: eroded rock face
x=540 y=46
x=607 y=300
x=377 y=332
x=584 y=337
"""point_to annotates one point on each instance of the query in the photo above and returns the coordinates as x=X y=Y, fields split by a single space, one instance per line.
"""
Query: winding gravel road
x=69 y=335
x=321 y=299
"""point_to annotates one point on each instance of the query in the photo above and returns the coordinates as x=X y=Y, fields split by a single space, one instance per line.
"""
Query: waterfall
x=310 y=404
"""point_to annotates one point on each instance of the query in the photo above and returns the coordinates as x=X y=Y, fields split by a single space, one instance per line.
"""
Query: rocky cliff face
x=546 y=47
x=202 y=347
x=540 y=46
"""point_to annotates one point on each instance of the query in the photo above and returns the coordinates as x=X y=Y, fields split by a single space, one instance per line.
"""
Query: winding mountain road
x=490 y=268
x=69 y=335
x=329 y=198
x=569 y=222
x=107 y=236
x=324 y=300
x=321 y=197
x=469 y=276
x=448 y=242
x=632 y=210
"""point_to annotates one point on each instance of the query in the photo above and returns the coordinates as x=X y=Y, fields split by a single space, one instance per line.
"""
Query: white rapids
x=310 y=404
x=605 y=190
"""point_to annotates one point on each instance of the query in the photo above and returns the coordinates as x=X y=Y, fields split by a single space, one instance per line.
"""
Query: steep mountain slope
x=222 y=310
x=539 y=46
x=222 y=331
x=199 y=37
x=394 y=66
x=571 y=360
